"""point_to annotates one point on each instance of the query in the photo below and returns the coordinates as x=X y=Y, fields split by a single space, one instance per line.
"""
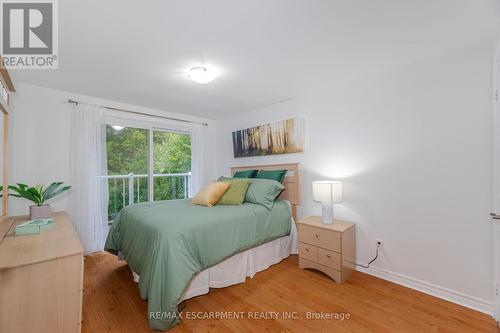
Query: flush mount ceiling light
x=201 y=75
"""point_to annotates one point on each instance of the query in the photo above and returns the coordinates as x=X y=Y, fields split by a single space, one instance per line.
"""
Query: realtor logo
x=29 y=34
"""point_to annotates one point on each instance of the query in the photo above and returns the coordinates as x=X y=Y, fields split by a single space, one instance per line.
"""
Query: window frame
x=151 y=124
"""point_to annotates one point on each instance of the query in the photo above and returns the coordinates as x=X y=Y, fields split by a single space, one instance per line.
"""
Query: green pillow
x=277 y=175
x=235 y=195
x=263 y=192
x=245 y=174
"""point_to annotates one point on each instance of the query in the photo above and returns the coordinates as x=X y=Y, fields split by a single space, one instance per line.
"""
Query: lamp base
x=327 y=212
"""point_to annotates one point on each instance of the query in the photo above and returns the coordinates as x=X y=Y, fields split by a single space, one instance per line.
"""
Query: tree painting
x=281 y=137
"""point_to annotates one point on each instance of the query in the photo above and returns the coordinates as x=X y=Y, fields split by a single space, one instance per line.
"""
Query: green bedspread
x=168 y=242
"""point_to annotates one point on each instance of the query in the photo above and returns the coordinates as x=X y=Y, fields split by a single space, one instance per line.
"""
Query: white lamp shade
x=327 y=191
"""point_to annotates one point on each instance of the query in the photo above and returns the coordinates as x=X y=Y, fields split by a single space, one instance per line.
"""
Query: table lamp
x=327 y=192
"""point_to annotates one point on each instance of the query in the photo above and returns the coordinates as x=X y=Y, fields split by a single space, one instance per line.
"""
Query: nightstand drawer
x=327 y=239
x=330 y=259
x=334 y=274
x=308 y=252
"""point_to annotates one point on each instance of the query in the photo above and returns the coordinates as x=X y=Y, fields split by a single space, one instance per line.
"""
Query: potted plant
x=39 y=195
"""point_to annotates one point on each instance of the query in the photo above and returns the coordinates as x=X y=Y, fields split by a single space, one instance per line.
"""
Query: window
x=171 y=165
x=146 y=165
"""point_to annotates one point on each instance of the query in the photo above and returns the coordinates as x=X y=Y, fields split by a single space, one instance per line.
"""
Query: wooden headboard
x=291 y=181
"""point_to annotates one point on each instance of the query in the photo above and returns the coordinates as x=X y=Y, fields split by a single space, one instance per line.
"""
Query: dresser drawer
x=308 y=252
x=327 y=239
x=330 y=259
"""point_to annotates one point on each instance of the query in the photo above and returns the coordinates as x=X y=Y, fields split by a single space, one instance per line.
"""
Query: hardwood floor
x=112 y=304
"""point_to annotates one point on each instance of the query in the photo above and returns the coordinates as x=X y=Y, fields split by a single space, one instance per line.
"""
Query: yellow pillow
x=210 y=194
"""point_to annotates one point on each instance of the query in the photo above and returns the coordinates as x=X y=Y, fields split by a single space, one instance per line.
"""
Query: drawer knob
x=307 y=249
x=328 y=256
x=317 y=236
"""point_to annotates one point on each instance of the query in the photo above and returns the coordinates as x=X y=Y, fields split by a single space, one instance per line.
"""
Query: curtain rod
x=72 y=101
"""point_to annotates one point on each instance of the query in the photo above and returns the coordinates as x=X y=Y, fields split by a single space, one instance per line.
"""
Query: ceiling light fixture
x=117 y=127
x=201 y=75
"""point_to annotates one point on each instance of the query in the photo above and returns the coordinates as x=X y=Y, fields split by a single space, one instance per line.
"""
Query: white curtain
x=89 y=195
x=197 y=159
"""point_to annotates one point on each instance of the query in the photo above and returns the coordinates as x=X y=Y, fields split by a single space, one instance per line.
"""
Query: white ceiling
x=265 y=50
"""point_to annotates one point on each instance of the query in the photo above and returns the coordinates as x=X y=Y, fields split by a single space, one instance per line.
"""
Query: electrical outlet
x=380 y=243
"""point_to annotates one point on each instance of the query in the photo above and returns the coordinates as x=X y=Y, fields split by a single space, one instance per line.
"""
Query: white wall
x=413 y=148
x=39 y=138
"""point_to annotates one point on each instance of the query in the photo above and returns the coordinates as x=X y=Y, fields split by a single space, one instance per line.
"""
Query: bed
x=180 y=250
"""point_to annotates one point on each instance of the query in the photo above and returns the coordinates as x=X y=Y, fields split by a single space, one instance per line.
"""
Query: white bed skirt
x=237 y=268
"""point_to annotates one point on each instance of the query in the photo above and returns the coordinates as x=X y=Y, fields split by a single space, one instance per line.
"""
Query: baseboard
x=453 y=296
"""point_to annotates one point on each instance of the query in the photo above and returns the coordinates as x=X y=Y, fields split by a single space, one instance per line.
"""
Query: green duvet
x=168 y=242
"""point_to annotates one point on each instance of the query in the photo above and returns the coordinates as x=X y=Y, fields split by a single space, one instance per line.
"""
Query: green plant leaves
x=23 y=191
x=38 y=194
x=55 y=190
x=51 y=189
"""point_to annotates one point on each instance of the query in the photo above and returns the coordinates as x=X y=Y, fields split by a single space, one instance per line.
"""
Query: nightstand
x=330 y=248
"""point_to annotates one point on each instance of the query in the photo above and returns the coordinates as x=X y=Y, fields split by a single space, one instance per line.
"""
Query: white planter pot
x=40 y=212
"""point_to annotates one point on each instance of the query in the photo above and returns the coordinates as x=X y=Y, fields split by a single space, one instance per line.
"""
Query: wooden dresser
x=330 y=248
x=41 y=279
